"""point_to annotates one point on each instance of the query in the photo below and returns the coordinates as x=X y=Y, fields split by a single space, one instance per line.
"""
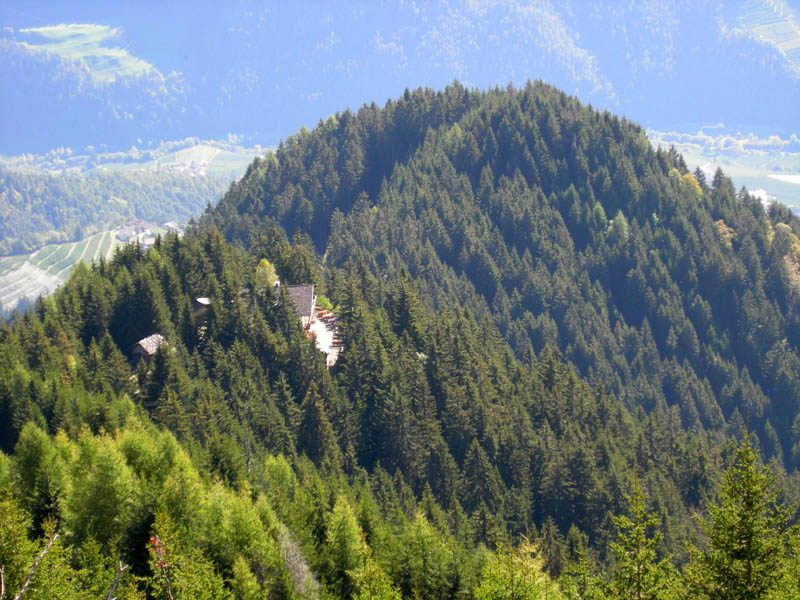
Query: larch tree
x=638 y=574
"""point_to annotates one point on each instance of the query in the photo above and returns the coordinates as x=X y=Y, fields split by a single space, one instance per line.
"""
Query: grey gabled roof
x=150 y=344
x=303 y=298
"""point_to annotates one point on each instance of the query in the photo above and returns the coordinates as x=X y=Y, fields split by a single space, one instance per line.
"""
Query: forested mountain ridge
x=569 y=229
x=405 y=472
x=233 y=464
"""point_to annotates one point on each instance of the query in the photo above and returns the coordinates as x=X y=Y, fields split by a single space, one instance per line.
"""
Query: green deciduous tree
x=100 y=501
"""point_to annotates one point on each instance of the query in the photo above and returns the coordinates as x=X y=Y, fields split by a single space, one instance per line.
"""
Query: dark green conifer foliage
x=481 y=481
x=510 y=353
x=316 y=436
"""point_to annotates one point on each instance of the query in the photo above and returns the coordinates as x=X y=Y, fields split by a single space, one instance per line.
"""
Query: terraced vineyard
x=43 y=271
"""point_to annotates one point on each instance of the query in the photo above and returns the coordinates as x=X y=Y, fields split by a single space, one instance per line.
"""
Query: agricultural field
x=30 y=276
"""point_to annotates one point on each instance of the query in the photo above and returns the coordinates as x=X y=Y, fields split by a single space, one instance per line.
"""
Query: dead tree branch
x=39 y=558
x=160 y=553
x=120 y=570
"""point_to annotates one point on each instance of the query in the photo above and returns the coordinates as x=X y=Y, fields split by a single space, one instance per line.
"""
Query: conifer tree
x=316 y=436
x=516 y=574
x=343 y=550
x=748 y=532
x=638 y=575
x=481 y=480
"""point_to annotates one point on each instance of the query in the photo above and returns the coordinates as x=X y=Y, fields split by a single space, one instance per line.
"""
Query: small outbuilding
x=147 y=347
x=200 y=306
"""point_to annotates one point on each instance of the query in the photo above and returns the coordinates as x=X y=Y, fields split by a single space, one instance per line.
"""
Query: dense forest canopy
x=531 y=397
x=565 y=227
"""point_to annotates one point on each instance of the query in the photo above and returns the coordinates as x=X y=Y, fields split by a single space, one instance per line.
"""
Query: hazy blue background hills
x=109 y=76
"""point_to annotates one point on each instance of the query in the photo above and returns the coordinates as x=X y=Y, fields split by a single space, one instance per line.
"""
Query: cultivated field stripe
x=27 y=281
x=102 y=247
x=88 y=243
x=39 y=256
x=66 y=260
x=91 y=248
x=9 y=263
x=44 y=270
x=53 y=257
x=113 y=244
x=69 y=261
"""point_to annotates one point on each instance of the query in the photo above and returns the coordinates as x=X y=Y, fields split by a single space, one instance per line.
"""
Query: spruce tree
x=748 y=532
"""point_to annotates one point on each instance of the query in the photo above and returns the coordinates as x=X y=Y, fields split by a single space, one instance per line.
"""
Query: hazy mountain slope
x=119 y=75
x=569 y=229
x=38 y=209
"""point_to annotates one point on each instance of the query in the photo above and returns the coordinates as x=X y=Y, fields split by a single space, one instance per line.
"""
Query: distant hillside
x=768 y=166
x=568 y=229
x=190 y=156
x=23 y=277
x=72 y=200
x=41 y=209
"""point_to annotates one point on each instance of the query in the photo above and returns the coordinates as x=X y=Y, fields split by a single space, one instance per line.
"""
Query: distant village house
x=126 y=233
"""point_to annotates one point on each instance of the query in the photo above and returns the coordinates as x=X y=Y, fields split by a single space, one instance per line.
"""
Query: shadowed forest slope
x=566 y=228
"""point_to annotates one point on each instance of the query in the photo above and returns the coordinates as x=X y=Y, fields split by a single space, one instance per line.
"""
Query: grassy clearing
x=86 y=44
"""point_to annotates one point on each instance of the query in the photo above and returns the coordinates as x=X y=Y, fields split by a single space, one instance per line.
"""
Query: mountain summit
x=565 y=227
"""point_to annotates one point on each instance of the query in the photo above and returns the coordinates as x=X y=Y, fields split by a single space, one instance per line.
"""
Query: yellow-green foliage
x=725 y=232
x=265 y=273
x=516 y=574
x=690 y=183
x=100 y=489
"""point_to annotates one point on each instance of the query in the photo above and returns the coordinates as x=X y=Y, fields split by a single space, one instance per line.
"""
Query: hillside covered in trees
x=565 y=228
x=507 y=417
